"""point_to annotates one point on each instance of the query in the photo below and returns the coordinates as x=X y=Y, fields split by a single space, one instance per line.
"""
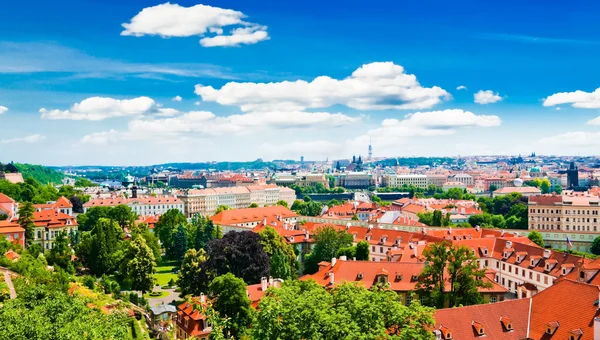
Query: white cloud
x=172 y=20
x=375 y=86
x=486 y=97
x=311 y=150
x=28 y=139
x=100 y=108
x=177 y=99
x=461 y=87
x=3 y=109
x=579 y=99
x=206 y=123
x=167 y=112
x=577 y=139
x=424 y=124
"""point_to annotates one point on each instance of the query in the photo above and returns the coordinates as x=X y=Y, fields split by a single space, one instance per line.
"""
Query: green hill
x=40 y=173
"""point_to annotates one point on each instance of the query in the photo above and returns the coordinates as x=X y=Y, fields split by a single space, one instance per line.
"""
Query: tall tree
x=328 y=241
x=192 y=278
x=180 y=243
x=60 y=254
x=536 y=237
x=363 y=251
x=284 y=263
x=166 y=226
x=25 y=220
x=231 y=301
x=139 y=265
x=282 y=203
x=452 y=275
x=239 y=253
x=123 y=215
x=595 y=248
x=104 y=242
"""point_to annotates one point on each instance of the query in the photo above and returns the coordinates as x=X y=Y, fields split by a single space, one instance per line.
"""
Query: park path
x=11 y=287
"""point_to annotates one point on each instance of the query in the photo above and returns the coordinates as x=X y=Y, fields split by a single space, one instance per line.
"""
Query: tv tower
x=370 y=150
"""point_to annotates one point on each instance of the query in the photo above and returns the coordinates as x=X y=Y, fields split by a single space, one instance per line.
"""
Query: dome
x=518 y=182
x=535 y=169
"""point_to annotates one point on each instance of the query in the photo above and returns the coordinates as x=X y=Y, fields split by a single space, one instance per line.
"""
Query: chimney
x=332 y=281
x=265 y=221
x=596 y=328
x=263 y=283
x=547 y=253
x=333 y=261
x=508 y=244
x=270 y=281
x=202 y=298
x=415 y=250
x=343 y=258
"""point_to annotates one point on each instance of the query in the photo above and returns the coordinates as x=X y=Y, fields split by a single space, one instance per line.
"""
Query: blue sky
x=79 y=87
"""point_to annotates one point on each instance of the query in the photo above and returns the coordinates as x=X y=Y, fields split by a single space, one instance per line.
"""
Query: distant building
x=51 y=219
x=393 y=180
x=143 y=205
x=12 y=232
x=573 y=176
x=354 y=180
x=566 y=213
x=14 y=178
x=247 y=219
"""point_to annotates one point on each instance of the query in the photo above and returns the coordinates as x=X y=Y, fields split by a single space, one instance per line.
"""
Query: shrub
x=89 y=281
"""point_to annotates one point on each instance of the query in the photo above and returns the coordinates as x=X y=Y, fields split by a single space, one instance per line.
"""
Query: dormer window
x=446 y=333
x=575 y=334
x=415 y=277
x=398 y=276
x=368 y=238
x=506 y=323
x=551 y=327
x=291 y=238
x=359 y=276
x=485 y=251
x=478 y=328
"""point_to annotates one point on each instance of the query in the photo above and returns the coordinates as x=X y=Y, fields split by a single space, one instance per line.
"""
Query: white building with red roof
x=8 y=206
x=143 y=205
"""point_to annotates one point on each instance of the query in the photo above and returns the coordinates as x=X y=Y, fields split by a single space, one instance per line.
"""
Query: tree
x=328 y=241
x=60 y=254
x=595 y=248
x=180 y=243
x=493 y=187
x=231 y=301
x=363 y=251
x=139 y=265
x=123 y=215
x=284 y=263
x=83 y=182
x=545 y=186
x=282 y=203
x=150 y=238
x=437 y=218
x=77 y=204
x=455 y=267
x=165 y=228
x=253 y=205
x=25 y=220
x=192 y=278
x=355 y=217
x=239 y=253
x=99 y=249
x=536 y=237
x=348 y=311
x=222 y=208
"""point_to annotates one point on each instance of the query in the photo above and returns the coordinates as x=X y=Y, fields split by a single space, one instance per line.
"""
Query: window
x=493 y=299
x=545 y=280
x=538 y=277
x=381 y=250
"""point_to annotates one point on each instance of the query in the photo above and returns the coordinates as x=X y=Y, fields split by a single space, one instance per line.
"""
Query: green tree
x=437 y=218
x=536 y=238
x=180 y=243
x=84 y=182
x=595 y=248
x=139 y=265
x=253 y=205
x=545 y=186
x=165 y=229
x=123 y=215
x=452 y=267
x=355 y=217
x=231 y=301
x=192 y=279
x=328 y=242
x=284 y=263
x=557 y=189
x=349 y=252
x=100 y=248
x=282 y=203
x=60 y=254
x=25 y=220
x=363 y=251
x=222 y=208
x=493 y=187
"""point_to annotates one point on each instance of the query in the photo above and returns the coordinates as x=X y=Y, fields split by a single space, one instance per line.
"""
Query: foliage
x=239 y=253
x=536 y=237
x=510 y=205
x=83 y=182
x=349 y=252
x=328 y=241
x=40 y=173
x=595 y=248
x=231 y=301
x=139 y=265
x=204 y=230
x=222 y=208
x=451 y=276
x=284 y=264
x=304 y=208
x=100 y=248
x=318 y=188
x=253 y=205
x=306 y=310
x=434 y=219
x=192 y=278
x=25 y=220
x=150 y=238
x=60 y=254
x=363 y=250
x=180 y=243
x=165 y=229
x=121 y=214
x=282 y=203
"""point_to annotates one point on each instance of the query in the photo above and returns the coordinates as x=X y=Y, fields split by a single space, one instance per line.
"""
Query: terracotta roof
x=236 y=216
x=113 y=201
x=5 y=199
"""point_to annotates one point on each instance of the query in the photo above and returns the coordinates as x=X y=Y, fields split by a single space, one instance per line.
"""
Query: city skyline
x=104 y=83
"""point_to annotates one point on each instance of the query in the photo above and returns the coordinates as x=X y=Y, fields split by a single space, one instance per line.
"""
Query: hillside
x=40 y=173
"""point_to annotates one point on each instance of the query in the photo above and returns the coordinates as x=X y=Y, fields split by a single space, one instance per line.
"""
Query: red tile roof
x=237 y=216
x=5 y=199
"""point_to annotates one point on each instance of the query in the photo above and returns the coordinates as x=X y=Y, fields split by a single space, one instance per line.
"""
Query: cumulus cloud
x=31 y=139
x=424 y=124
x=3 y=109
x=578 y=139
x=177 y=99
x=579 y=99
x=461 y=87
x=172 y=20
x=100 y=108
x=375 y=86
x=486 y=97
x=207 y=123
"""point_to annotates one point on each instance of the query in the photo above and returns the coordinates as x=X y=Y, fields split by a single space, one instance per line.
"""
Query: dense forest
x=40 y=173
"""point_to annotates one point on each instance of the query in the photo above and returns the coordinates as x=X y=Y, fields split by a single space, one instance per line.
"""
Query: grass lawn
x=164 y=272
x=162 y=294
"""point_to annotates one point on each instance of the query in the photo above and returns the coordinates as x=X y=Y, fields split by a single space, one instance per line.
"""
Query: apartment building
x=300 y=179
x=206 y=201
x=419 y=181
x=143 y=205
x=50 y=220
x=466 y=179
x=248 y=218
x=437 y=180
x=567 y=213
x=354 y=180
